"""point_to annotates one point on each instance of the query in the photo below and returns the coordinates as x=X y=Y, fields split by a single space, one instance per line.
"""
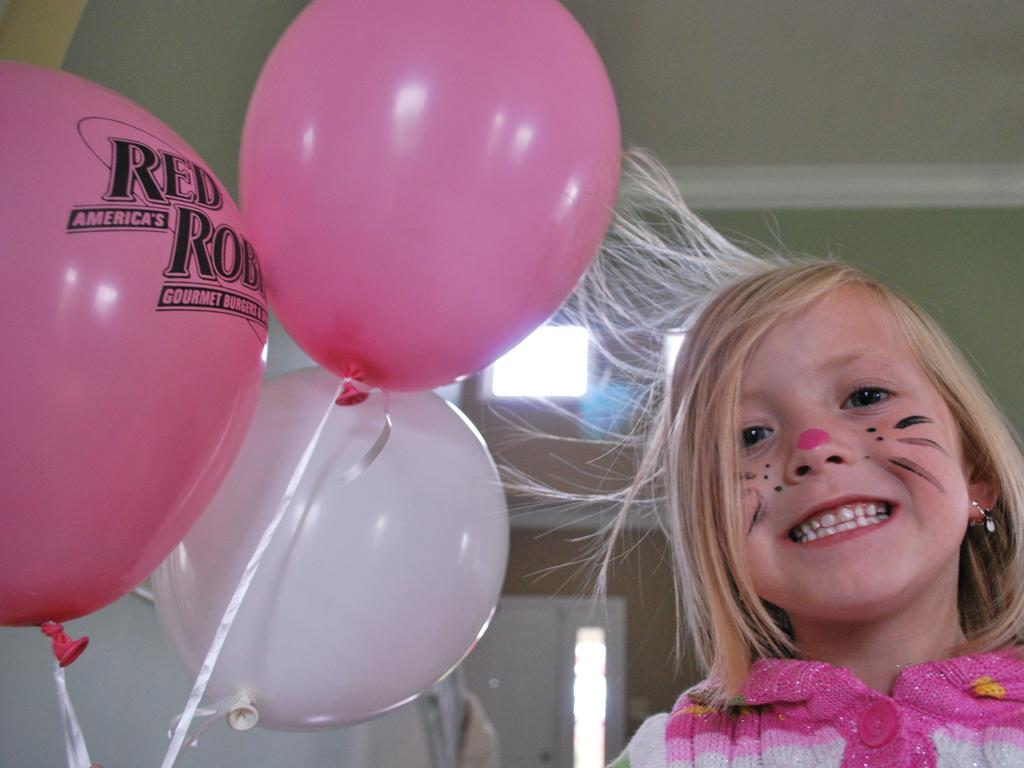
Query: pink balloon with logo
x=426 y=181
x=133 y=326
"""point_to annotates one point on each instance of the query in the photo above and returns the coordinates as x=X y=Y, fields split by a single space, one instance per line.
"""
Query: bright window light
x=550 y=362
x=589 y=696
x=671 y=348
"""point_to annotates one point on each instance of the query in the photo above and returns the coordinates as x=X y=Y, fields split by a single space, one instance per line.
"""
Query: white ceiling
x=875 y=101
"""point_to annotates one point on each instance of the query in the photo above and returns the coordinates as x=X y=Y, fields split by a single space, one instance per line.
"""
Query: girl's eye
x=754 y=435
x=866 y=396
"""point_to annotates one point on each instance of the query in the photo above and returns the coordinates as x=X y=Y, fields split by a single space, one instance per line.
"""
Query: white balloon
x=372 y=590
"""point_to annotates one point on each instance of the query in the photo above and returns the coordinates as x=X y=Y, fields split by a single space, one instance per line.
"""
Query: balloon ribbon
x=65 y=651
x=74 y=740
x=206 y=671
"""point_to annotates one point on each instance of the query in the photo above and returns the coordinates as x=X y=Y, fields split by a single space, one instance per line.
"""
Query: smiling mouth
x=846 y=517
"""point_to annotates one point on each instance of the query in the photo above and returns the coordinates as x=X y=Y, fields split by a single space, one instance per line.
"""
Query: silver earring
x=986 y=518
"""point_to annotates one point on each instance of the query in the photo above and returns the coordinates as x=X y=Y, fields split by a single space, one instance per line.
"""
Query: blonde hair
x=726 y=299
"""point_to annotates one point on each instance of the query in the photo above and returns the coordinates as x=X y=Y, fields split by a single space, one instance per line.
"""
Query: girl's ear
x=984 y=493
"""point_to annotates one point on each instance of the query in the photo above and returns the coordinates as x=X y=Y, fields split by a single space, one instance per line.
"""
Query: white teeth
x=845 y=518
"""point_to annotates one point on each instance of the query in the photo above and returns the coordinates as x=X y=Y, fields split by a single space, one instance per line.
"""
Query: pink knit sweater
x=967 y=711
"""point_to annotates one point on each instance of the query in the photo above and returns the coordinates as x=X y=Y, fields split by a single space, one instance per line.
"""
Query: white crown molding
x=851 y=186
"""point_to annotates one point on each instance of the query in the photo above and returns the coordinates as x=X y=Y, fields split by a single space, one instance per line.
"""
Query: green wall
x=194 y=63
x=965 y=266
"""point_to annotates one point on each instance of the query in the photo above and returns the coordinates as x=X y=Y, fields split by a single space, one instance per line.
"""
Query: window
x=589 y=696
x=551 y=362
x=673 y=342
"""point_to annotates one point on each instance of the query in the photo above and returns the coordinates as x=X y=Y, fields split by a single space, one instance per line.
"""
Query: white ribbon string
x=222 y=707
x=360 y=466
x=74 y=740
x=206 y=671
x=200 y=712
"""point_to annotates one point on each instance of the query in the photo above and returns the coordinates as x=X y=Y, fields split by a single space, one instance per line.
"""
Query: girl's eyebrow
x=880 y=365
x=856 y=357
x=840 y=360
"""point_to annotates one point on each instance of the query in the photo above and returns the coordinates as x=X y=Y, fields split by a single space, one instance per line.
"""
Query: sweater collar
x=998 y=675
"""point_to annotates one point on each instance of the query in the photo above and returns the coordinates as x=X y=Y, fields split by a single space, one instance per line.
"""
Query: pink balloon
x=426 y=181
x=371 y=590
x=133 y=325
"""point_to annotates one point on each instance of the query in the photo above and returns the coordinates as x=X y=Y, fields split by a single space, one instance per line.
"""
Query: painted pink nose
x=811 y=438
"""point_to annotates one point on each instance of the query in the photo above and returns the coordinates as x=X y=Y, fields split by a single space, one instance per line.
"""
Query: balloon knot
x=351 y=394
x=65 y=650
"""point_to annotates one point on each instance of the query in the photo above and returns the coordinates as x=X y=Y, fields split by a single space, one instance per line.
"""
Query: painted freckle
x=872 y=429
x=766 y=477
x=879 y=439
x=778 y=488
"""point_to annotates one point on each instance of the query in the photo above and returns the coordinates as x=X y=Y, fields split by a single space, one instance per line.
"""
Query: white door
x=522 y=670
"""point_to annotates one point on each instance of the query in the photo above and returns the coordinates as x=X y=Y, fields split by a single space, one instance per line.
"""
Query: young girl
x=844 y=505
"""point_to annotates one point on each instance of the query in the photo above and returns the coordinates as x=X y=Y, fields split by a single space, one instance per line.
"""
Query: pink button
x=879 y=723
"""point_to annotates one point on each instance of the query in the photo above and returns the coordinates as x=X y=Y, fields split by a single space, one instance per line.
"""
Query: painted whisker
x=918 y=470
x=911 y=421
x=922 y=441
x=757 y=516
